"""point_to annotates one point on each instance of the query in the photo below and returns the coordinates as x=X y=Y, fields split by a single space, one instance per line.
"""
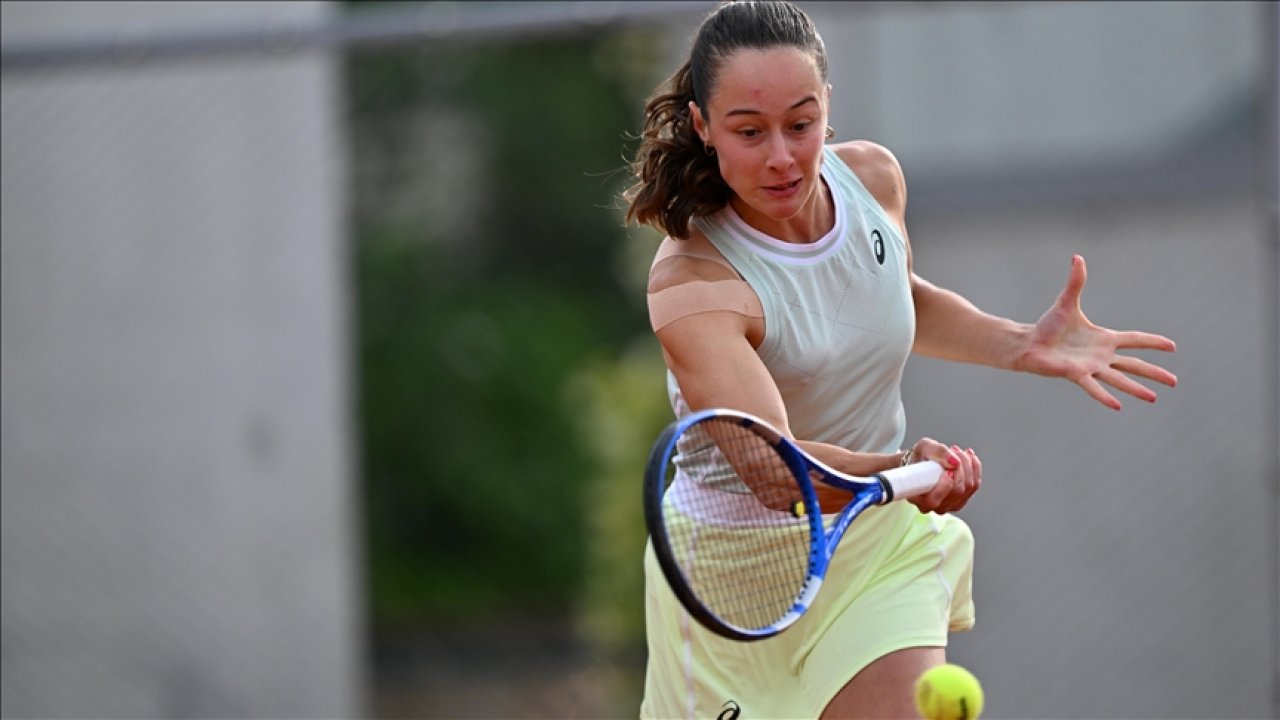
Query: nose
x=779 y=152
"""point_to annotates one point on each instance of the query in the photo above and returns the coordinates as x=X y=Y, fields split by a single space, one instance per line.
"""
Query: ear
x=699 y=124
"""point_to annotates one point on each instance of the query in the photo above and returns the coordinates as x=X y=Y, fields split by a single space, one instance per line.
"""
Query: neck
x=814 y=220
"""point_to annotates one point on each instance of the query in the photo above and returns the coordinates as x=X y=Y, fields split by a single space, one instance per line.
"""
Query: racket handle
x=910 y=480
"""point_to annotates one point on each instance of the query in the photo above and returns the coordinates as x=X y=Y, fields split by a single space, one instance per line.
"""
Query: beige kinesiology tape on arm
x=700 y=296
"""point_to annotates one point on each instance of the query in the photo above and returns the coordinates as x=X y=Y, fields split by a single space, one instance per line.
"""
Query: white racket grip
x=911 y=480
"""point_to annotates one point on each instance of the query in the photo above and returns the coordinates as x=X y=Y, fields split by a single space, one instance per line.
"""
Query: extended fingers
x=1097 y=392
x=1142 y=368
x=1115 y=376
x=1144 y=341
x=1124 y=383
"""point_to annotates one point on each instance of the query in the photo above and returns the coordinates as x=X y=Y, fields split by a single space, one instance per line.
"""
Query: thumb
x=930 y=449
x=1070 y=296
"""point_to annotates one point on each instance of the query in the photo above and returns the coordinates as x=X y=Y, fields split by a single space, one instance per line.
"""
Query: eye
x=748 y=132
x=801 y=126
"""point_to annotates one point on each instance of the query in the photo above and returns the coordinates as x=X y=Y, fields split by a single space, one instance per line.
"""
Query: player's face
x=767 y=119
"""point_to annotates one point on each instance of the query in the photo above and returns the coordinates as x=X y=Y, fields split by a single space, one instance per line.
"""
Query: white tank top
x=839 y=318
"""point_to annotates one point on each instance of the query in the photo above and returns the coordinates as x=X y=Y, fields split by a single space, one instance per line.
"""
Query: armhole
x=860 y=188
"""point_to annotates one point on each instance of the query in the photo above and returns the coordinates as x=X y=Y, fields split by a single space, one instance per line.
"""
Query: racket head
x=734 y=522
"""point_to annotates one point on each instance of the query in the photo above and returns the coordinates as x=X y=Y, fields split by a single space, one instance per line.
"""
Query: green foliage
x=473 y=470
x=554 y=132
x=623 y=405
x=471 y=327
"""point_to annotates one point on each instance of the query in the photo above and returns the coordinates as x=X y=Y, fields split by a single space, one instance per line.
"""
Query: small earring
x=831 y=132
x=710 y=150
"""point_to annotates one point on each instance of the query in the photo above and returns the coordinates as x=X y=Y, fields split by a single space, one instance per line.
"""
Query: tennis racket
x=735 y=523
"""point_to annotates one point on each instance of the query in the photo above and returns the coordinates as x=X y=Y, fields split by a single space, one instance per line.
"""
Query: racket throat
x=803 y=601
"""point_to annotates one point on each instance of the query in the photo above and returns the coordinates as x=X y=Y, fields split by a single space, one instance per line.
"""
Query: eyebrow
x=749 y=111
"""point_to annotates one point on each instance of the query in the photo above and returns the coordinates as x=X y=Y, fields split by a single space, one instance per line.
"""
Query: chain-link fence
x=177 y=445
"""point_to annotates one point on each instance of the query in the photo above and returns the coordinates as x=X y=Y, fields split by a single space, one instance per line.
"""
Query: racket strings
x=729 y=519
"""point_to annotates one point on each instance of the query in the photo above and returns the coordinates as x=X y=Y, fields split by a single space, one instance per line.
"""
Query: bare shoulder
x=681 y=261
x=879 y=171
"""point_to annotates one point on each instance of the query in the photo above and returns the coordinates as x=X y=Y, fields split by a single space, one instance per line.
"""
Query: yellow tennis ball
x=948 y=692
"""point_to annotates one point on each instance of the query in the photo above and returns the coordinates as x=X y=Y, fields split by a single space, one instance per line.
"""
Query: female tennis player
x=785 y=289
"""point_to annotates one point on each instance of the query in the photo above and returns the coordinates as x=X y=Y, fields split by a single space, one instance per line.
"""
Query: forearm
x=852 y=463
x=949 y=327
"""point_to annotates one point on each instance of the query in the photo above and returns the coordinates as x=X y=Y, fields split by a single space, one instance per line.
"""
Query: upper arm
x=716 y=366
x=712 y=352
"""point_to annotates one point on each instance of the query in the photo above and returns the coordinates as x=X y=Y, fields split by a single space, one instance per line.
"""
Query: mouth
x=783 y=189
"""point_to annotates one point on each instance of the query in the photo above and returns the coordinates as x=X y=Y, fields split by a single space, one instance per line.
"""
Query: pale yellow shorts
x=898 y=579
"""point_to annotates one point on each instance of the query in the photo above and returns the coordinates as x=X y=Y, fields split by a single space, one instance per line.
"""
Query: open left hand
x=1064 y=343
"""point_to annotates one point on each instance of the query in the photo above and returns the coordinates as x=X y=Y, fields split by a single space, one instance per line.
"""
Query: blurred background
x=327 y=382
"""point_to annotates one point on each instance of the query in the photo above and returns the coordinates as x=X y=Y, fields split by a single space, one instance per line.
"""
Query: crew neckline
x=802 y=253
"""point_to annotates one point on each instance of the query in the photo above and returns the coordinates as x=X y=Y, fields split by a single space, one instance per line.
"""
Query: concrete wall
x=179 y=520
x=969 y=85
x=1128 y=564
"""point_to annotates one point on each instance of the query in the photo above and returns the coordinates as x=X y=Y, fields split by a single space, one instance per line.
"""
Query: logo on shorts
x=877 y=244
x=730 y=711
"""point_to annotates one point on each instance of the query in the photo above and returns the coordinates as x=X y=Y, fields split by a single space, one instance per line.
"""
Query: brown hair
x=676 y=178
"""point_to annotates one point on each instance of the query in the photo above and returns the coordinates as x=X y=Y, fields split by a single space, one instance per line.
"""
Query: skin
x=766 y=119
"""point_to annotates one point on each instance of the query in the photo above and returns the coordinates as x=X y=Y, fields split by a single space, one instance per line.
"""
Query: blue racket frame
x=822 y=543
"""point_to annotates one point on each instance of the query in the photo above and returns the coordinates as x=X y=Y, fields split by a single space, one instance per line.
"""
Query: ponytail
x=676 y=179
